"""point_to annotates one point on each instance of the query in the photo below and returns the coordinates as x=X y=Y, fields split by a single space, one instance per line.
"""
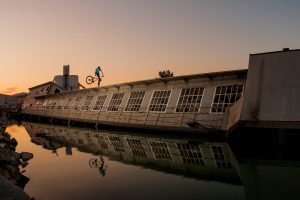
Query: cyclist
x=97 y=73
x=102 y=168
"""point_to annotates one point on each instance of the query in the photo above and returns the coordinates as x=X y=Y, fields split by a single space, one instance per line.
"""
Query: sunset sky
x=134 y=39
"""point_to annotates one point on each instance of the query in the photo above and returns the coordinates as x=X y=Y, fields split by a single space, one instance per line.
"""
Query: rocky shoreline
x=12 y=181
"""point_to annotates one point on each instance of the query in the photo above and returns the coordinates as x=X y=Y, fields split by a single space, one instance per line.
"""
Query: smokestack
x=66 y=73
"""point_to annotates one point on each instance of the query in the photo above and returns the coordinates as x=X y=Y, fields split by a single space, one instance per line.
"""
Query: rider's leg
x=99 y=80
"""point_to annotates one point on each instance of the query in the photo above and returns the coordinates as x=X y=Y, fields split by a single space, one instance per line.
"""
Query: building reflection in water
x=267 y=169
x=190 y=158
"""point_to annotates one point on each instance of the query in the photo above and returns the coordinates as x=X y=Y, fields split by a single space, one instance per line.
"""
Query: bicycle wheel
x=89 y=79
x=93 y=163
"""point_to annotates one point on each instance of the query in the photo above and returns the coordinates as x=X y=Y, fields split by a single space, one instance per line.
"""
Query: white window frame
x=61 y=103
x=78 y=105
x=189 y=157
x=153 y=153
x=70 y=106
x=135 y=104
x=100 y=107
x=118 y=106
x=87 y=103
x=215 y=90
x=223 y=162
x=200 y=101
x=166 y=104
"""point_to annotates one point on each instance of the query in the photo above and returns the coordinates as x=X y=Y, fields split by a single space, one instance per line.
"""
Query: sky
x=135 y=39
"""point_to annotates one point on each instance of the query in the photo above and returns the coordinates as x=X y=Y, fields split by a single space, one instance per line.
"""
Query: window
x=115 y=102
x=43 y=106
x=225 y=96
x=219 y=157
x=117 y=143
x=56 y=91
x=136 y=147
x=49 y=103
x=69 y=103
x=159 y=100
x=190 y=154
x=77 y=103
x=135 y=101
x=53 y=104
x=38 y=104
x=99 y=102
x=60 y=104
x=87 y=102
x=190 y=100
x=101 y=141
x=160 y=150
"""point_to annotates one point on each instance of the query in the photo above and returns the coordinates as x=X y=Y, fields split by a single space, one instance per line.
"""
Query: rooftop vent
x=285 y=49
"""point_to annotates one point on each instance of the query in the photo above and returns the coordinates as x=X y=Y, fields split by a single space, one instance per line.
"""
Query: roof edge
x=271 y=52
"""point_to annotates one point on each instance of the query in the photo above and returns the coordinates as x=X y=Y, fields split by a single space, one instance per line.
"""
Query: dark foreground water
x=76 y=163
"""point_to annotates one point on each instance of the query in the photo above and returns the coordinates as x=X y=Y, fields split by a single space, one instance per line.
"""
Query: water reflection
x=264 y=167
x=196 y=159
x=98 y=163
x=12 y=165
x=269 y=162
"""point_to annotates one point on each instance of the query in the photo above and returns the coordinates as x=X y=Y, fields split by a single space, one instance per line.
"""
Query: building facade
x=9 y=102
x=189 y=102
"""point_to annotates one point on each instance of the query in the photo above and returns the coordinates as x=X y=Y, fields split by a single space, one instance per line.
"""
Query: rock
x=4 y=139
x=3 y=145
x=13 y=171
x=10 y=175
x=9 y=191
x=13 y=142
x=16 y=155
x=4 y=157
x=25 y=156
x=24 y=164
x=5 y=134
x=12 y=148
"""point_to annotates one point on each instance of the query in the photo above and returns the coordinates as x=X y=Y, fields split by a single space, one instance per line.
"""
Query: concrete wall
x=273 y=88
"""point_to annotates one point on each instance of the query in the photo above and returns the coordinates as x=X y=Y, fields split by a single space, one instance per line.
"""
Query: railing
x=202 y=119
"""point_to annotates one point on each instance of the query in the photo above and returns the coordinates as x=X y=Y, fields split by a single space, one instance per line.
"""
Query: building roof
x=43 y=84
x=20 y=95
x=4 y=95
x=284 y=50
x=242 y=73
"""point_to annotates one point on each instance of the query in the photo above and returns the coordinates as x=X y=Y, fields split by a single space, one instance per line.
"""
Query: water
x=77 y=163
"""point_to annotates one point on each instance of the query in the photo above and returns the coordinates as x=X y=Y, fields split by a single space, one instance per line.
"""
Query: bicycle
x=98 y=163
x=94 y=162
x=92 y=79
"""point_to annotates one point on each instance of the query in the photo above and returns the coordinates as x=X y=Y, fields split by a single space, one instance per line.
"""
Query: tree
x=165 y=74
